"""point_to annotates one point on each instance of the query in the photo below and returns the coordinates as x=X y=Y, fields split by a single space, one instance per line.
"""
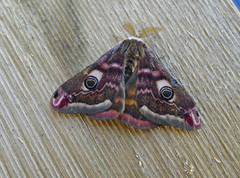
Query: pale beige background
x=44 y=43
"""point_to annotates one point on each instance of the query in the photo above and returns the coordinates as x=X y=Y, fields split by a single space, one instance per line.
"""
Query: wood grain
x=42 y=44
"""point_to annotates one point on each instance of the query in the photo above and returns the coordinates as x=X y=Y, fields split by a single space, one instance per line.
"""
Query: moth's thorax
x=133 y=49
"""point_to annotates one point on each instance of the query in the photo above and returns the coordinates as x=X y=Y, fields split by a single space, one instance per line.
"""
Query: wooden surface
x=44 y=43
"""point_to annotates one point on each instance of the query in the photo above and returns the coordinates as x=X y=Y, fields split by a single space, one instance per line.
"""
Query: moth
x=129 y=83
